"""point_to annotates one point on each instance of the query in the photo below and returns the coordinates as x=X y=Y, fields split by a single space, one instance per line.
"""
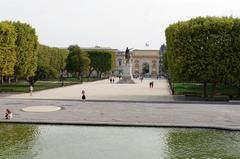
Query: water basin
x=88 y=142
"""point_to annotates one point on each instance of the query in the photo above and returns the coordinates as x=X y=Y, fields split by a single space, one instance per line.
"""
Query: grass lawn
x=23 y=86
x=197 y=89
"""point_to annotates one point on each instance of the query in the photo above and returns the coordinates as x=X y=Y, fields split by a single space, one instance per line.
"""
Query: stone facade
x=145 y=62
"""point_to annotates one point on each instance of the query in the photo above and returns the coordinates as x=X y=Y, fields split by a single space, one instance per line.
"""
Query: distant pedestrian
x=8 y=114
x=110 y=80
x=151 y=84
x=31 y=90
x=83 y=96
x=113 y=80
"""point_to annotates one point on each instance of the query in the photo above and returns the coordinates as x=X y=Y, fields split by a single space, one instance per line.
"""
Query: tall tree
x=26 y=43
x=58 y=58
x=51 y=61
x=7 y=49
x=102 y=61
x=77 y=61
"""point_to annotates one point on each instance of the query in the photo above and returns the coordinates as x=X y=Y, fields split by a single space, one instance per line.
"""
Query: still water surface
x=82 y=142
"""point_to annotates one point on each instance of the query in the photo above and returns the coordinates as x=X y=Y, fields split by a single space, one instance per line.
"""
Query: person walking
x=31 y=90
x=83 y=96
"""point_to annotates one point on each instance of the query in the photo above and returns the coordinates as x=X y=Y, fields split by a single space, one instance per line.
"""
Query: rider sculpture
x=127 y=55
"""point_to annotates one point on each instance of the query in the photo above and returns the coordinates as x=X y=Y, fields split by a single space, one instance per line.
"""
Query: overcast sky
x=109 y=23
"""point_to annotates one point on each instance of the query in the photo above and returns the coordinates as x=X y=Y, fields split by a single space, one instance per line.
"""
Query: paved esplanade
x=224 y=115
x=104 y=90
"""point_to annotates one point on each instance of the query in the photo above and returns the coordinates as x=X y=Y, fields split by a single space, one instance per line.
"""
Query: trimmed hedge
x=204 y=50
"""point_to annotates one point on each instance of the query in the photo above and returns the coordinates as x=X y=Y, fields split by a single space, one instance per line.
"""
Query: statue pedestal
x=127 y=75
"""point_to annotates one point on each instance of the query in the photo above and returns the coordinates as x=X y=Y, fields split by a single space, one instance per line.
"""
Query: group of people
x=111 y=79
x=151 y=84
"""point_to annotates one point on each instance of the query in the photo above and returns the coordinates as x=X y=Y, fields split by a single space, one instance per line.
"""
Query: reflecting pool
x=74 y=142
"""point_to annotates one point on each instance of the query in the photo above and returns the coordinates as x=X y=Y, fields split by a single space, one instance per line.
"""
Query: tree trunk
x=238 y=88
x=90 y=72
x=78 y=75
x=9 y=80
x=98 y=74
x=205 y=90
x=173 y=91
x=15 y=79
x=225 y=83
x=214 y=89
x=1 y=79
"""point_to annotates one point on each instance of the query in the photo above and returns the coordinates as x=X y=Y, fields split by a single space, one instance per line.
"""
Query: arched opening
x=145 y=69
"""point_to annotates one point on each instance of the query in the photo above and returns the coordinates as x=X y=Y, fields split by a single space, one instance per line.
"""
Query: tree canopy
x=51 y=61
x=101 y=61
x=204 y=49
x=7 y=49
x=26 y=48
x=77 y=60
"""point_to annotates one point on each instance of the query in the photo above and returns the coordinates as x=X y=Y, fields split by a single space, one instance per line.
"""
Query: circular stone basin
x=41 y=109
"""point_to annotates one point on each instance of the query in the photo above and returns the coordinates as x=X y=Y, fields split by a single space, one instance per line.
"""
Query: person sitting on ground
x=8 y=114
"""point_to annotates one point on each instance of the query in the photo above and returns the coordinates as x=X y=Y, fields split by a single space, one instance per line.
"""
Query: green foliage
x=77 y=60
x=47 y=72
x=26 y=47
x=7 y=49
x=204 y=49
x=51 y=61
x=165 y=63
x=197 y=89
x=58 y=58
x=101 y=61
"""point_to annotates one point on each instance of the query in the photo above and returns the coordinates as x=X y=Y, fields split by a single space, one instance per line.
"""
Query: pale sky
x=109 y=23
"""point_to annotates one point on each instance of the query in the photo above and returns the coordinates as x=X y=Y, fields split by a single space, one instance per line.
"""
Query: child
x=31 y=90
x=8 y=114
x=83 y=95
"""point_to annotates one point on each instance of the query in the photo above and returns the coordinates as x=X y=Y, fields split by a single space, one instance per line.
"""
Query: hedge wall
x=204 y=49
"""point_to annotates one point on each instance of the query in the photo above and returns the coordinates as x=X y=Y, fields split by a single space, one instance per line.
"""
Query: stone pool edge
x=123 y=124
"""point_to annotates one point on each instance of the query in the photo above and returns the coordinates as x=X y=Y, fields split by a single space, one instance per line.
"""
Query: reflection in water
x=16 y=141
x=71 y=142
x=202 y=143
